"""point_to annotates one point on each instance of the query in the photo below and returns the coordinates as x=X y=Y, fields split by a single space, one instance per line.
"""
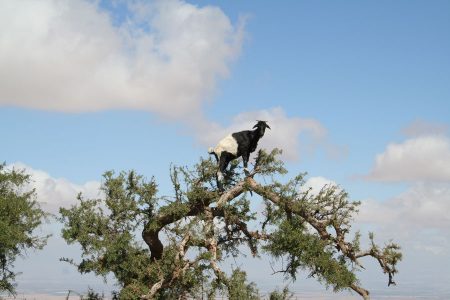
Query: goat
x=237 y=144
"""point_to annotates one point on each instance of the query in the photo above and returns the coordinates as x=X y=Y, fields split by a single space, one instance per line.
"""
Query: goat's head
x=261 y=127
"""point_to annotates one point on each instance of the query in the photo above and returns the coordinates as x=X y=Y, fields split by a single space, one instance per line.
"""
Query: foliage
x=283 y=295
x=307 y=251
x=20 y=215
x=92 y=295
x=239 y=289
x=187 y=236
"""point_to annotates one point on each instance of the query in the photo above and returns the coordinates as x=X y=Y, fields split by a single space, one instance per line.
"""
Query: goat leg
x=245 y=158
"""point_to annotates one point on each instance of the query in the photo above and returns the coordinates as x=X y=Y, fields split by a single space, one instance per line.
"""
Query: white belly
x=227 y=144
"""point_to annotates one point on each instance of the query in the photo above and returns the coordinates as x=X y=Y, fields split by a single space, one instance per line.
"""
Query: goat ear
x=268 y=126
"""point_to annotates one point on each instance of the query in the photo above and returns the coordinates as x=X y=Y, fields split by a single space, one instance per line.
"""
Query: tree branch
x=176 y=273
x=320 y=227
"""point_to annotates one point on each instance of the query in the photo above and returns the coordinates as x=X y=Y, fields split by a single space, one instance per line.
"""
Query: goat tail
x=211 y=151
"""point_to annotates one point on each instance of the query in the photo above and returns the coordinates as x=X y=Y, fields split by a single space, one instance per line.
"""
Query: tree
x=187 y=236
x=20 y=215
x=283 y=295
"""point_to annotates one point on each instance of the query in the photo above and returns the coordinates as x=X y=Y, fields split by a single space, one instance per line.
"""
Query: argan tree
x=20 y=215
x=161 y=247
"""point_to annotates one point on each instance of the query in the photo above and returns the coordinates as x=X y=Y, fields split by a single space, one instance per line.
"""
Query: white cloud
x=67 y=56
x=316 y=184
x=285 y=132
x=53 y=193
x=424 y=205
x=418 y=217
x=424 y=158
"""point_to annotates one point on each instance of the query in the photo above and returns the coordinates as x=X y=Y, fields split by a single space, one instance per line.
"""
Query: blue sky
x=357 y=93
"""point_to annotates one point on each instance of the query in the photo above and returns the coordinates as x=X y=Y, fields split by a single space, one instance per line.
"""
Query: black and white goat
x=237 y=144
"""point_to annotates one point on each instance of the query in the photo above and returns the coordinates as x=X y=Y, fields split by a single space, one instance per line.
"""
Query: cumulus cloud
x=53 y=193
x=165 y=58
x=424 y=158
x=418 y=216
x=68 y=56
x=422 y=206
x=295 y=135
x=316 y=184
